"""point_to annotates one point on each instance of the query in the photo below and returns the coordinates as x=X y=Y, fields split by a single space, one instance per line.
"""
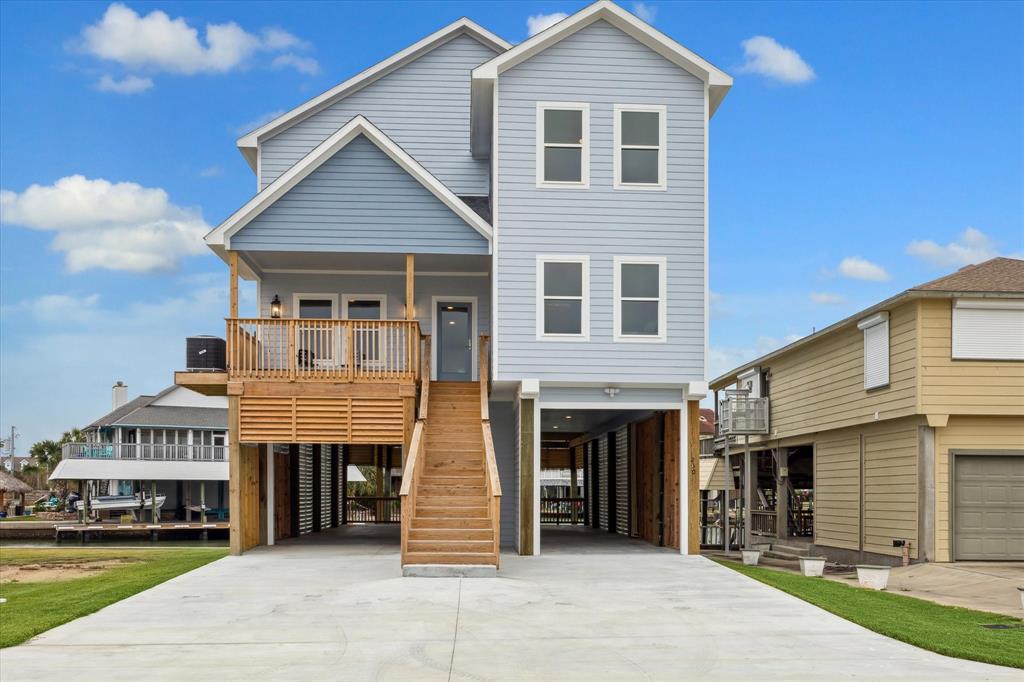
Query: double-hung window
x=563 y=144
x=639 y=313
x=640 y=146
x=563 y=297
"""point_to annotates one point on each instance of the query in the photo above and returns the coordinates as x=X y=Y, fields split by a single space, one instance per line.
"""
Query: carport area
x=609 y=479
x=342 y=611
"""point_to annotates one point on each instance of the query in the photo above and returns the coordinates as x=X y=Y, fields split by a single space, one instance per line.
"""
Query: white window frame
x=662 y=147
x=584 y=334
x=584 y=182
x=338 y=348
x=876 y=321
x=963 y=349
x=662 y=263
x=298 y=297
x=380 y=298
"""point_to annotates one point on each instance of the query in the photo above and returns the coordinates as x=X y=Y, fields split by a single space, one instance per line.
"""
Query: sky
x=864 y=148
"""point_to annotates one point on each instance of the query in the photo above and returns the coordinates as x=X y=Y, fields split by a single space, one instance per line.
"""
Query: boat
x=117 y=502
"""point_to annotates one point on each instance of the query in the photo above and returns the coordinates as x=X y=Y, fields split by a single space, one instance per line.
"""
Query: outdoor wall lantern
x=275 y=307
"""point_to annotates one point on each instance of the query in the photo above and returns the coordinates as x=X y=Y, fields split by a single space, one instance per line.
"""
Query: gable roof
x=485 y=75
x=142 y=412
x=998 y=275
x=219 y=239
x=994 y=278
x=247 y=144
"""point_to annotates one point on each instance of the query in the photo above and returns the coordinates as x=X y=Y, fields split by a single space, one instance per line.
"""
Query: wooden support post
x=234 y=478
x=692 y=472
x=782 y=494
x=526 y=476
x=335 y=479
x=233 y=268
x=152 y=502
x=410 y=301
x=749 y=483
x=202 y=501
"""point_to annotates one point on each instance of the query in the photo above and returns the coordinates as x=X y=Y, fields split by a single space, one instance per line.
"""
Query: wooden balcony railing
x=491 y=481
x=762 y=522
x=559 y=510
x=323 y=350
x=149 y=451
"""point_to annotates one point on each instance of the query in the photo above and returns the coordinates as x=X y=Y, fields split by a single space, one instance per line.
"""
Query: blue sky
x=864 y=148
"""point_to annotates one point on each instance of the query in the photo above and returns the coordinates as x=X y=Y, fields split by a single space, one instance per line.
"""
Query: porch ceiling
x=306 y=261
x=575 y=422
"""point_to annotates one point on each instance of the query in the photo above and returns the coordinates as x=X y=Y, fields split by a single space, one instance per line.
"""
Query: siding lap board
x=603 y=66
x=423 y=107
x=359 y=200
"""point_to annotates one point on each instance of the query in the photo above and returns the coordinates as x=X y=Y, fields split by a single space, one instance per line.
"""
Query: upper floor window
x=563 y=144
x=640 y=158
x=563 y=297
x=639 y=313
x=876 y=350
x=988 y=329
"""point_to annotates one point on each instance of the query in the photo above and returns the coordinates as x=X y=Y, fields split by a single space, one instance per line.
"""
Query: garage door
x=989 y=507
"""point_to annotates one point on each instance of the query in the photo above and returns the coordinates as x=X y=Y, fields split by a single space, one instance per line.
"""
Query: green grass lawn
x=35 y=607
x=948 y=630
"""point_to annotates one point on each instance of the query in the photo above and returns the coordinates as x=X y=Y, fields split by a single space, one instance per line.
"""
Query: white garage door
x=989 y=507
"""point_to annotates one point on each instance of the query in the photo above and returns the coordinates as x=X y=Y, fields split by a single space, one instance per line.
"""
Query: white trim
x=389 y=273
x=536 y=477
x=220 y=238
x=294 y=312
x=612 y=404
x=718 y=80
x=874 y=326
x=380 y=298
x=583 y=260
x=662 y=263
x=707 y=243
x=989 y=303
x=584 y=145
x=325 y=99
x=474 y=333
x=662 y=147
x=876 y=319
x=494 y=326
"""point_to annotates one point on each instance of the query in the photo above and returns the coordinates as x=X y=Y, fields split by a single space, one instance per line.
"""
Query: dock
x=86 y=530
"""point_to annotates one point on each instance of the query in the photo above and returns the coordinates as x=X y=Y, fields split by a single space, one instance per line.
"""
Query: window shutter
x=988 y=330
x=876 y=350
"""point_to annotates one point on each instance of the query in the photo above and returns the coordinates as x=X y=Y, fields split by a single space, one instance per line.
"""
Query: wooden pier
x=85 y=530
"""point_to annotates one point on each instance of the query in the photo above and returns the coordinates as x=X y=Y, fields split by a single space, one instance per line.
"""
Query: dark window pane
x=639 y=280
x=640 y=166
x=563 y=279
x=640 y=128
x=563 y=164
x=563 y=126
x=315 y=309
x=364 y=310
x=563 y=317
x=640 y=318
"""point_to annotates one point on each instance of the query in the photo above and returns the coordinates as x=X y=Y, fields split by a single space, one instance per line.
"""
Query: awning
x=712 y=474
x=138 y=470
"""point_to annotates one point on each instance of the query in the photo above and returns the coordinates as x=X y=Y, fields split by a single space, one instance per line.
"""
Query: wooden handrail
x=425 y=377
x=491 y=479
x=410 y=475
x=484 y=372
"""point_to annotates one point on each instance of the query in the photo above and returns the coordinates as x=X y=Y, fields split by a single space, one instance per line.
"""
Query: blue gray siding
x=423 y=106
x=604 y=67
x=393 y=286
x=360 y=200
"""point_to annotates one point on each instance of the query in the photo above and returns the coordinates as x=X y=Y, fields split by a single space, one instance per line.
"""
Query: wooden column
x=410 y=301
x=526 y=477
x=233 y=286
x=335 y=480
x=693 y=475
x=782 y=495
x=234 y=474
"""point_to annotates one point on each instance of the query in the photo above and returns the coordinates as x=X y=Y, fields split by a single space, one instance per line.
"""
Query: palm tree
x=46 y=453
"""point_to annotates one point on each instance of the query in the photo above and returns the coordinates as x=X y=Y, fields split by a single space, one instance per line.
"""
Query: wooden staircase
x=451 y=522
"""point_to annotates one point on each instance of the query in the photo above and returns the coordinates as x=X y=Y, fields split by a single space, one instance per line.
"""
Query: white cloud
x=721 y=359
x=129 y=85
x=258 y=122
x=859 y=268
x=60 y=308
x=211 y=172
x=306 y=65
x=538 y=22
x=826 y=298
x=100 y=224
x=767 y=57
x=973 y=246
x=158 y=42
x=645 y=11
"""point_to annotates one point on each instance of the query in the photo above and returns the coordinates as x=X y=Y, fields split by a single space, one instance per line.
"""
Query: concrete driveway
x=326 y=609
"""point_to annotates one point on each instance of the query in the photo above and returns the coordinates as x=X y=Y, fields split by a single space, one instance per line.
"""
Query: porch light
x=275 y=307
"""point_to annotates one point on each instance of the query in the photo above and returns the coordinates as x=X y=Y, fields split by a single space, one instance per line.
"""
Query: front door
x=454 y=341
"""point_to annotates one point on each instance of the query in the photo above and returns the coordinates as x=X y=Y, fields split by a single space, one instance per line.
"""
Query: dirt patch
x=53 y=572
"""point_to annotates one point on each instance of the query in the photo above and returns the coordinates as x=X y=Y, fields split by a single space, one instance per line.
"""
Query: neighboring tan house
x=174 y=442
x=463 y=248
x=904 y=423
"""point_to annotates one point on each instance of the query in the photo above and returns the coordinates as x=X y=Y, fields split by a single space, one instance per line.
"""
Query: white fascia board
x=876 y=319
x=718 y=81
x=360 y=125
x=250 y=140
